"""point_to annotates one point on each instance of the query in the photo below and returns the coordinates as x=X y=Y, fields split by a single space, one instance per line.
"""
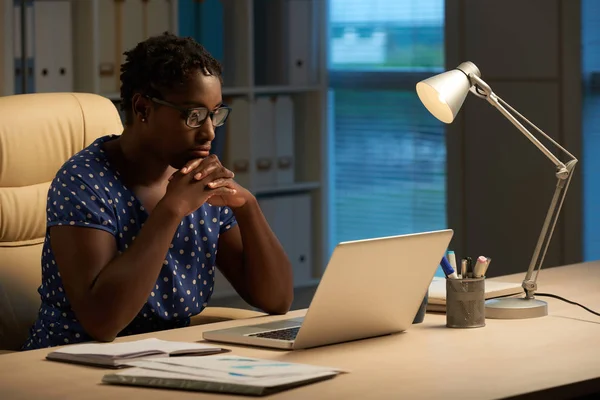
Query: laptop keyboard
x=279 y=334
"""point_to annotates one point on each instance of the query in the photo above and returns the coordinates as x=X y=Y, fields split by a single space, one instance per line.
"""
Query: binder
x=284 y=140
x=6 y=49
x=156 y=17
x=124 y=24
x=18 y=69
x=277 y=211
x=85 y=49
x=301 y=252
x=52 y=43
x=131 y=26
x=290 y=219
x=238 y=141
x=263 y=134
x=271 y=42
x=283 y=42
x=236 y=53
x=142 y=19
x=300 y=37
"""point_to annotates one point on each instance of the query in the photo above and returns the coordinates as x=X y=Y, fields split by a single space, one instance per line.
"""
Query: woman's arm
x=106 y=290
x=252 y=259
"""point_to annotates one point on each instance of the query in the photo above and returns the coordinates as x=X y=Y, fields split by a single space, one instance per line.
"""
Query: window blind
x=387 y=153
x=390 y=162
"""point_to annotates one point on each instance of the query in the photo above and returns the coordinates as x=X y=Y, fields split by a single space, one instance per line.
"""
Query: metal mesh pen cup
x=465 y=303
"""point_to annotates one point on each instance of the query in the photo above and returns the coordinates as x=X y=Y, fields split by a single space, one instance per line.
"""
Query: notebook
x=117 y=355
x=221 y=374
x=437 y=292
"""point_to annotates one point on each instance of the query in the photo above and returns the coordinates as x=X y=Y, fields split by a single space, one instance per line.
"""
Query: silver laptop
x=370 y=288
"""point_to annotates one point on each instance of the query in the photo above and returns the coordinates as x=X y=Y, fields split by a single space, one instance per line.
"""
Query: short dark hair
x=162 y=62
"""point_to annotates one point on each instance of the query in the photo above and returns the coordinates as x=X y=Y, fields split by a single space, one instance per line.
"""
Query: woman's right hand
x=187 y=191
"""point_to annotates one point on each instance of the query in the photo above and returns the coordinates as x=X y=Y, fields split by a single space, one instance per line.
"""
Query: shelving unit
x=287 y=189
x=267 y=26
x=286 y=89
x=7 y=62
x=271 y=50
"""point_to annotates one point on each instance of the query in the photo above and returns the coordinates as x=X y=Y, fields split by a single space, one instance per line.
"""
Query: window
x=376 y=35
x=387 y=157
x=590 y=36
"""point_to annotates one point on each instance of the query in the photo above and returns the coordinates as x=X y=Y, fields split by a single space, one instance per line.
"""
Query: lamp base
x=515 y=308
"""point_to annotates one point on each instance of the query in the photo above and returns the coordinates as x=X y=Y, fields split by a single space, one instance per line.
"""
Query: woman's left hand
x=237 y=200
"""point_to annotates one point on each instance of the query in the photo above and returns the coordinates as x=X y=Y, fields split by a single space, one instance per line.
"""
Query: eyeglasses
x=195 y=117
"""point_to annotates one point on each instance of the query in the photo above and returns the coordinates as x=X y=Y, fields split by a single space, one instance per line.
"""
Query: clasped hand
x=205 y=180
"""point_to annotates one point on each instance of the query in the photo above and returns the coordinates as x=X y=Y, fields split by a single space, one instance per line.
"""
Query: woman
x=138 y=222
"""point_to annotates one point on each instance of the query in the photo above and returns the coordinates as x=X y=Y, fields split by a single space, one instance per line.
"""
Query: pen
x=463 y=268
x=487 y=264
x=448 y=270
x=479 y=268
x=469 y=267
x=452 y=259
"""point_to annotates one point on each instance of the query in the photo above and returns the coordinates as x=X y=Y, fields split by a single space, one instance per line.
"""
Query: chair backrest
x=38 y=133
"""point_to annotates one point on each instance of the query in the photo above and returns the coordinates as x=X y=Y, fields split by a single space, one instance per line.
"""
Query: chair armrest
x=218 y=314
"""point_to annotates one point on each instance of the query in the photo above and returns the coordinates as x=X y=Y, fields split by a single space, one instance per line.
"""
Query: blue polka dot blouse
x=87 y=192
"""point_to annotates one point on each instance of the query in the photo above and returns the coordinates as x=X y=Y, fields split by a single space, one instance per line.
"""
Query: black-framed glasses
x=195 y=117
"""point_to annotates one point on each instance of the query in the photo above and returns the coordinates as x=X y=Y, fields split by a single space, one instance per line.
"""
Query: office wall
x=500 y=185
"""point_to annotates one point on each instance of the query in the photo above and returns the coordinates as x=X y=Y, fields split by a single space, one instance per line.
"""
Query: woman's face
x=166 y=131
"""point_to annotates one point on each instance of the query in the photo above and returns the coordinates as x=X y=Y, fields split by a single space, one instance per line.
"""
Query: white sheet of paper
x=249 y=381
x=244 y=366
x=220 y=376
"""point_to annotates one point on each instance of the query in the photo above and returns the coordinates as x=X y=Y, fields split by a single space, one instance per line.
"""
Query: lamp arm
x=564 y=172
x=562 y=185
x=483 y=90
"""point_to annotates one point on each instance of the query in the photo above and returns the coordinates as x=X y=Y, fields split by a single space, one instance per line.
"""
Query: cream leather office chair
x=38 y=133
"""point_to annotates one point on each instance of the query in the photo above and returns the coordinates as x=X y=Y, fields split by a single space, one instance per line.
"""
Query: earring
x=143 y=119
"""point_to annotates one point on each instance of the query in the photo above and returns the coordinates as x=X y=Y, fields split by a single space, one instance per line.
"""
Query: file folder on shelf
x=29 y=50
x=284 y=140
x=238 y=141
x=53 y=55
x=263 y=136
x=300 y=40
x=295 y=237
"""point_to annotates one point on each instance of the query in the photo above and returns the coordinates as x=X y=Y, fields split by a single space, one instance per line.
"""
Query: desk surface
x=507 y=358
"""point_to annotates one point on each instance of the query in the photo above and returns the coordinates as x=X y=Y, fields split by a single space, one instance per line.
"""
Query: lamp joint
x=530 y=287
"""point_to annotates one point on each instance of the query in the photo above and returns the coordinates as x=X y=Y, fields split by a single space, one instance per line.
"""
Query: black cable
x=553 y=296
x=568 y=301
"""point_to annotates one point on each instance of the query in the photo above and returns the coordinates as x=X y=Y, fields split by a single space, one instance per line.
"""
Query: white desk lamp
x=443 y=95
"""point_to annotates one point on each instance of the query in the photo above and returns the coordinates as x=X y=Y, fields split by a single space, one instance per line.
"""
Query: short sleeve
x=226 y=219
x=75 y=198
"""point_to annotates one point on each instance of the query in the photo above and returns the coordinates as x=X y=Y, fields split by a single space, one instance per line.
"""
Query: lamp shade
x=444 y=94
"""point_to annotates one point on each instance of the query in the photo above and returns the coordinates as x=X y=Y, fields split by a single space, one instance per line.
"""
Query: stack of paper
x=220 y=373
x=116 y=355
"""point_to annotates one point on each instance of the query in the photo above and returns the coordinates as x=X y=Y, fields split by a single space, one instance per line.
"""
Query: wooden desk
x=552 y=357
